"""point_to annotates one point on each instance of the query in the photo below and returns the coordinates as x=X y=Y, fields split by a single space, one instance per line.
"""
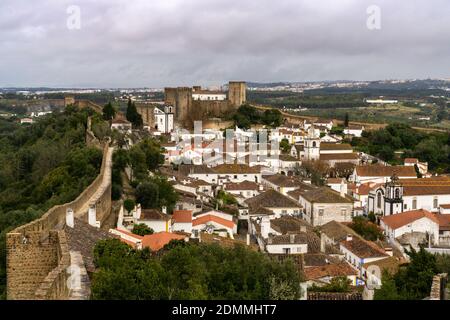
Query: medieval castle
x=191 y=104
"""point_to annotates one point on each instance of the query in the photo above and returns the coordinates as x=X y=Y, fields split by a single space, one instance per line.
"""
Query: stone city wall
x=33 y=251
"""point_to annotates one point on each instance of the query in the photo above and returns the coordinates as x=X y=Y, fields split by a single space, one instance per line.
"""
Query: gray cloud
x=183 y=42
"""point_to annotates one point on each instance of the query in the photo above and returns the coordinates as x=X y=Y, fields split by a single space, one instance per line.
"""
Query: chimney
x=248 y=239
x=269 y=240
x=292 y=238
x=69 y=218
x=322 y=243
x=349 y=237
x=303 y=228
x=260 y=187
x=139 y=245
x=164 y=209
x=92 y=215
x=138 y=211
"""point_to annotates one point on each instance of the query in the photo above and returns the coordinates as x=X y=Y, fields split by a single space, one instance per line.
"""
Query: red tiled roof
x=158 y=240
x=338 y=156
x=386 y=171
x=363 y=248
x=444 y=221
x=182 y=216
x=207 y=218
x=400 y=219
x=329 y=270
x=411 y=160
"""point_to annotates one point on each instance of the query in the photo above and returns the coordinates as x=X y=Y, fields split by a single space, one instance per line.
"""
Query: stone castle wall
x=34 y=250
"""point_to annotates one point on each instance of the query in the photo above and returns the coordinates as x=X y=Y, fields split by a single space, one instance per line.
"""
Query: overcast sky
x=154 y=43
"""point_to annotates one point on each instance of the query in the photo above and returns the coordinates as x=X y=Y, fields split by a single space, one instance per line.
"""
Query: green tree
x=191 y=271
x=133 y=116
x=129 y=205
x=346 y=120
x=108 y=112
x=285 y=145
x=142 y=229
x=388 y=290
x=147 y=194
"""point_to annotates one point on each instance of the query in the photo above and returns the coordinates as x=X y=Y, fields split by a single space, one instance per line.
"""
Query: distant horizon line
x=76 y=87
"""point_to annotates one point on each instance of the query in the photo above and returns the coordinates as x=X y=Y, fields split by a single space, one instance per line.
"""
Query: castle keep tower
x=181 y=99
x=237 y=93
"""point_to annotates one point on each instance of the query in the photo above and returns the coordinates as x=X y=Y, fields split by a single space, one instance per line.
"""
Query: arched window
x=397 y=193
x=379 y=200
x=314 y=144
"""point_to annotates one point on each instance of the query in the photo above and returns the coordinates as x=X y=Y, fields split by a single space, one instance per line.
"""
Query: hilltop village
x=300 y=191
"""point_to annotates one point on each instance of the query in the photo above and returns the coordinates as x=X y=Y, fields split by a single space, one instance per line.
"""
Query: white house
x=154 y=219
x=381 y=174
x=164 y=119
x=182 y=221
x=287 y=244
x=121 y=125
x=420 y=220
x=323 y=205
x=354 y=130
x=358 y=251
x=214 y=222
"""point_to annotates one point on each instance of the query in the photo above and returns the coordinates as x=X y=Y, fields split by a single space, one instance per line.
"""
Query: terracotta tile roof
x=444 y=222
x=260 y=211
x=318 y=259
x=286 y=224
x=297 y=238
x=445 y=206
x=225 y=242
x=362 y=248
x=182 y=216
x=304 y=187
x=187 y=169
x=337 y=231
x=272 y=199
x=411 y=160
x=153 y=214
x=235 y=169
x=212 y=218
x=386 y=171
x=389 y=264
x=158 y=240
x=335 y=180
x=335 y=146
x=330 y=270
x=400 y=219
x=365 y=188
x=283 y=181
x=425 y=190
x=338 y=156
x=245 y=185
x=287 y=157
x=326 y=195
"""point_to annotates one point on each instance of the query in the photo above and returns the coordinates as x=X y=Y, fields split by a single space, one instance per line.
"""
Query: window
x=397 y=193
x=414 y=203
x=343 y=212
x=321 y=212
x=235 y=176
x=435 y=203
x=286 y=250
x=379 y=200
x=405 y=206
x=284 y=211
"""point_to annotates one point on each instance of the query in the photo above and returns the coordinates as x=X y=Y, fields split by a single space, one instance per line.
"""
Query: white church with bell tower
x=312 y=145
